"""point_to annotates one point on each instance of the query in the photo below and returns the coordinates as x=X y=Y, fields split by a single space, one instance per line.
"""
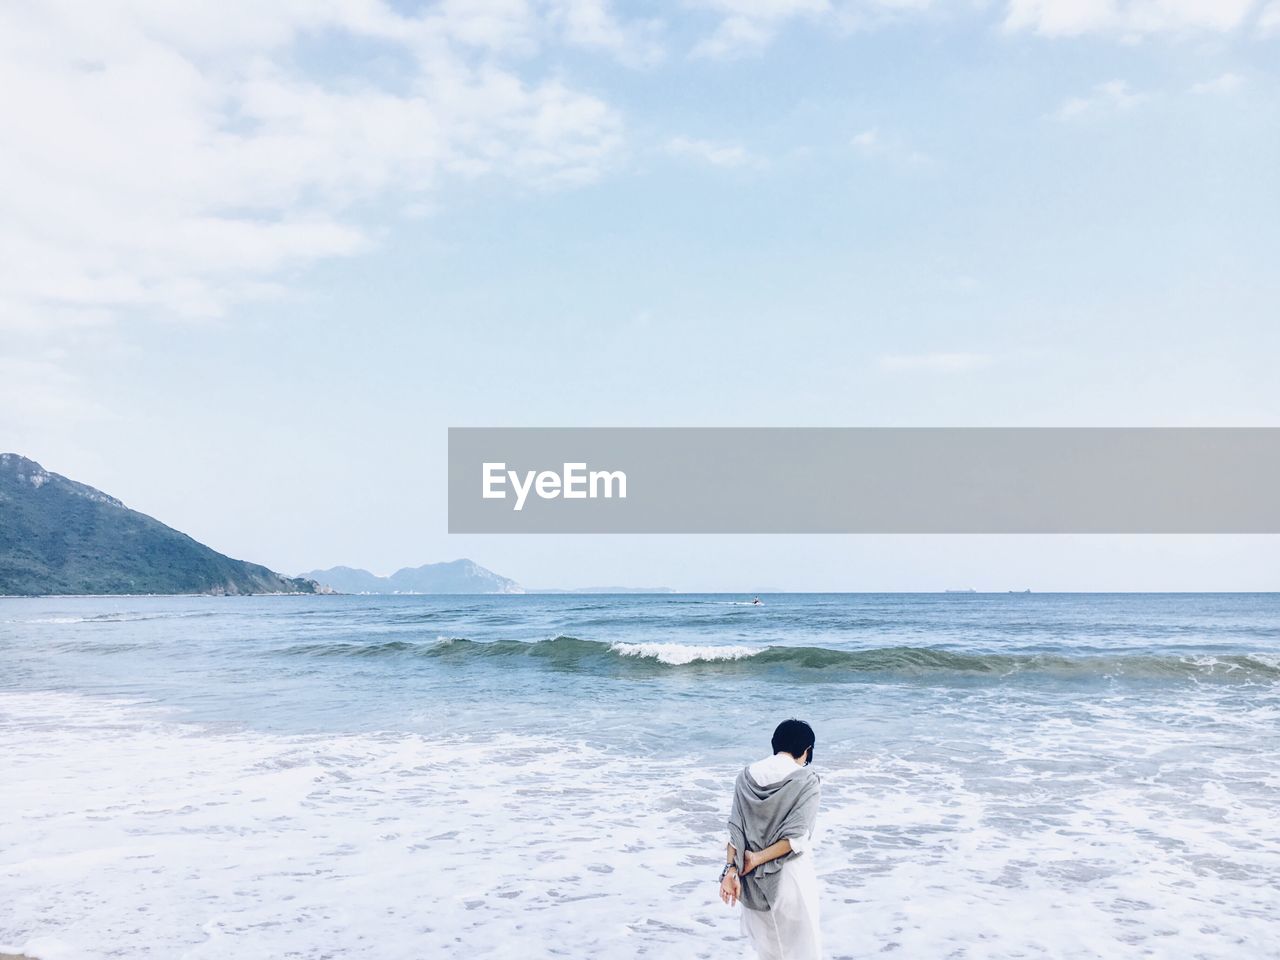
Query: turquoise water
x=1004 y=775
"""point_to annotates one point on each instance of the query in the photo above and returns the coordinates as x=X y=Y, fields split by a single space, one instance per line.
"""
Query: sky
x=255 y=259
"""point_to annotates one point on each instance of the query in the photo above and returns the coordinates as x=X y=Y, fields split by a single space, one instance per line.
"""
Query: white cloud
x=1227 y=83
x=868 y=141
x=873 y=144
x=748 y=26
x=1109 y=97
x=1269 y=19
x=735 y=37
x=711 y=152
x=1125 y=17
x=934 y=362
x=178 y=159
x=592 y=24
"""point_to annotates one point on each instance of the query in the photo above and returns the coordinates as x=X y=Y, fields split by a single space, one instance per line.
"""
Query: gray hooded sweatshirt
x=762 y=816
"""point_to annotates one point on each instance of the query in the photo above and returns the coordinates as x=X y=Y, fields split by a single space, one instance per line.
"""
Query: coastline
x=124 y=597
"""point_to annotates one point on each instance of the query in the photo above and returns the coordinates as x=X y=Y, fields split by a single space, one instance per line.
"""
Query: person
x=757 y=602
x=769 y=856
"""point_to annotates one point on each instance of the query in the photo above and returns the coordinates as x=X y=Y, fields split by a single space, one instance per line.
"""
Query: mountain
x=349 y=580
x=58 y=536
x=457 y=576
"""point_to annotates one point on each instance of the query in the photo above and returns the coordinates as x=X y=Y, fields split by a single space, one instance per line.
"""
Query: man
x=769 y=864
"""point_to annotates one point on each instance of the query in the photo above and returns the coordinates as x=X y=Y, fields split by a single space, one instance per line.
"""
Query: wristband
x=725 y=872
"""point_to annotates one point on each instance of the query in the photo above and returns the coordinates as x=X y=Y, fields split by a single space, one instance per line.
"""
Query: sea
x=545 y=776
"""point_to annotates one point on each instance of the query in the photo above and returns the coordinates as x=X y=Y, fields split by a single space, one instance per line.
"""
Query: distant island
x=456 y=576
x=58 y=536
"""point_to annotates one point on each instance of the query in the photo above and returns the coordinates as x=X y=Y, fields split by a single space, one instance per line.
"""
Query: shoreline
x=136 y=596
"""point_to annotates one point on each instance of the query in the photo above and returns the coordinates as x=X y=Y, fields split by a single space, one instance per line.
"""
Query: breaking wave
x=821 y=662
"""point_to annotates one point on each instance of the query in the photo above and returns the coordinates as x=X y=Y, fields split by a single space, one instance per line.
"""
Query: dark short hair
x=794 y=737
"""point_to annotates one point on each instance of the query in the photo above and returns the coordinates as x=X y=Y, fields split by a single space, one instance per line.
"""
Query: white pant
x=790 y=930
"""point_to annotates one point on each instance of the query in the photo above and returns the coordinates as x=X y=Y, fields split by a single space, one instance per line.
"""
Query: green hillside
x=58 y=537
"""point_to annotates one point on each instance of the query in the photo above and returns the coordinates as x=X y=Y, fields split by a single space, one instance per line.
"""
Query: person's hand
x=730 y=888
x=750 y=860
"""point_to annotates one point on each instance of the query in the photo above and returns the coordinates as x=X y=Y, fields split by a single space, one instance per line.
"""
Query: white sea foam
x=679 y=654
x=52 y=620
x=107 y=618
x=126 y=834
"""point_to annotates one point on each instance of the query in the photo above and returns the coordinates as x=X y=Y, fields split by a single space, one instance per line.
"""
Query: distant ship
x=970 y=590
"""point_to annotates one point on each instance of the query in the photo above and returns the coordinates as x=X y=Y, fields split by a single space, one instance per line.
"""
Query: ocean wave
x=57 y=620
x=820 y=662
x=109 y=618
x=680 y=654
